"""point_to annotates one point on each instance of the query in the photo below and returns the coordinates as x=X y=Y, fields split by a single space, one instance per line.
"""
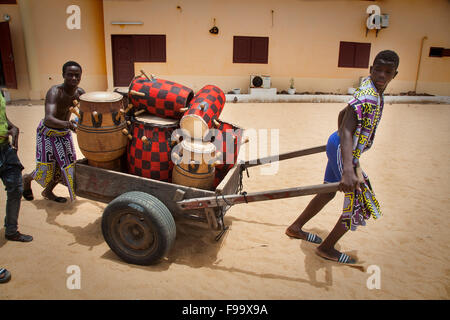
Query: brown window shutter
x=362 y=54
x=141 y=47
x=241 y=49
x=346 y=54
x=157 y=48
x=259 y=50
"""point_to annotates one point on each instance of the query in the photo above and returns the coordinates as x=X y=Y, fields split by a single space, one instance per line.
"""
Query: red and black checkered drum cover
x=151 y=160
x=207 y=104
x=227 y=139
x=162 y=98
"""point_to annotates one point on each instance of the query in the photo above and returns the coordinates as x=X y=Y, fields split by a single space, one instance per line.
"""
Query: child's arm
x=349 y=181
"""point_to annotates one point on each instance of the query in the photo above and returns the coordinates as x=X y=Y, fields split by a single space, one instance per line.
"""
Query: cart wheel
x=138 y=228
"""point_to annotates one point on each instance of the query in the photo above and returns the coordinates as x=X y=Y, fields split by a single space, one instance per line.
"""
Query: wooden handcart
x=138 y=223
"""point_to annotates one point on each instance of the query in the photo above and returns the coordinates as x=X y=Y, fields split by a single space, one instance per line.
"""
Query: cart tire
x=138 y=228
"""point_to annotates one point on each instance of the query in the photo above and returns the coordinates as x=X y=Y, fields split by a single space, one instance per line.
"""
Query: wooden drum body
x=195 y=164
x=148 y=152
x=99 y=131
x=159 y=97
x=204 y=110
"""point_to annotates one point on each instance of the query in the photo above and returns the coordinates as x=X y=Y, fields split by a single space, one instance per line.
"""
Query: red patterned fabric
x=152 y=160
x=207 y=104
x=162 y=98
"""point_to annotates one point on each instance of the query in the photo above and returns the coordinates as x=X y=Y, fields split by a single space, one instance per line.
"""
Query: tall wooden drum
x=99 y=131
x=148 y=153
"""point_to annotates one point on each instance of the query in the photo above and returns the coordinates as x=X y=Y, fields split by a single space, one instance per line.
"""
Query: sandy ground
x=255 y=259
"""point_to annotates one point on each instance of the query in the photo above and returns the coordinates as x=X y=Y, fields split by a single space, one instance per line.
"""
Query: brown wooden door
x=123 y=59
x=7 y=57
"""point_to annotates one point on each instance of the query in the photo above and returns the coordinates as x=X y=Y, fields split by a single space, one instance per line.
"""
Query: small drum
x=227 y=139
x=99 y=129
x=149 y=150
x=204 y=110
x=160 y=97
x=195 y=161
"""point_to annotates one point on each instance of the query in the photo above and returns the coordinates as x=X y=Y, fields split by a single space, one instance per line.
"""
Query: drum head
x=101 y=96
x=155 y=121
x=197 y=146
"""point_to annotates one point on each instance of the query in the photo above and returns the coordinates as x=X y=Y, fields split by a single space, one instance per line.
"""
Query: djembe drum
x=99 y=131
x=204 y=111
x=195 y=163
x=159 y=97
x=148 y=152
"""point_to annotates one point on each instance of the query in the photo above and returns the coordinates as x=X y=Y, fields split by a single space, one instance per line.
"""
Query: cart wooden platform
x=138 y=223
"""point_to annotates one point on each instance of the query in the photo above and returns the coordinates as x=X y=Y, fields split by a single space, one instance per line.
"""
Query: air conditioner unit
x=260 y=81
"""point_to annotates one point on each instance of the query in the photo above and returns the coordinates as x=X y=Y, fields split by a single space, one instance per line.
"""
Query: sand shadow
x=89 y=235
x=196 y=247
x=314 y=264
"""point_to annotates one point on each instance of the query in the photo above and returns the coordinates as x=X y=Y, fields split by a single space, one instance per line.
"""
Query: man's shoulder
x=81 y=90
x=366 y=92
x=56 y=89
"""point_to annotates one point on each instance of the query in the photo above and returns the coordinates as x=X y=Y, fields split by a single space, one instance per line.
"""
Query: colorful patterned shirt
x=368 y=106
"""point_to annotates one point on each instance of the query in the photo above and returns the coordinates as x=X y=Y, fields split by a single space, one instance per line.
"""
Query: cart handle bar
x=284 y=156
x=228 y=200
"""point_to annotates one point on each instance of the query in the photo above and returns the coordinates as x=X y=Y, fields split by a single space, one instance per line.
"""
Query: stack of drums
x=199 y=158
x=160 y=104
x=100 y=126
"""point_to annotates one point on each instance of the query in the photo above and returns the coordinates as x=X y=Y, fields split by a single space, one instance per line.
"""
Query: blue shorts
x=333 y=172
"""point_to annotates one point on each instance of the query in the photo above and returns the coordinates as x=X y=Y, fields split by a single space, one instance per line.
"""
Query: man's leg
x=47 y=193
x=12 y=179
x=326 y=248
x=316 y=204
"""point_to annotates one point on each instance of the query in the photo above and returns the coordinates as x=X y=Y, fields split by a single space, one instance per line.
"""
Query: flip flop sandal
x=6 y=275
x=343 y=259
x=28 y=194
x=311 y=237
x=57 y=199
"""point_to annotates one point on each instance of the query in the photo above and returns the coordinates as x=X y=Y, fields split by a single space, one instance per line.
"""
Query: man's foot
x=51 y=196
x=300 y=234
x=27 y=192
x=335 y=256
x=19 y=237
x=5 y=275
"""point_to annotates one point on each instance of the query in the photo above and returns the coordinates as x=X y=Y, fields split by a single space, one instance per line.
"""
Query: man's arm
x=50 y=119
x=13 y=131
x=347 y=128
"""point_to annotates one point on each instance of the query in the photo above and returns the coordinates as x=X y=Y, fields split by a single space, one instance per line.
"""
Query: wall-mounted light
x=122 y=23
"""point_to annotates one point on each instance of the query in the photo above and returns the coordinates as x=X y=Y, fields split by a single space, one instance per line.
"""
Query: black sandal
x=6 y=275
x=28 y=194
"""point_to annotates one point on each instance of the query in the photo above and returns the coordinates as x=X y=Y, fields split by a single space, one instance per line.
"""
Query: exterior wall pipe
x=420 y=59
